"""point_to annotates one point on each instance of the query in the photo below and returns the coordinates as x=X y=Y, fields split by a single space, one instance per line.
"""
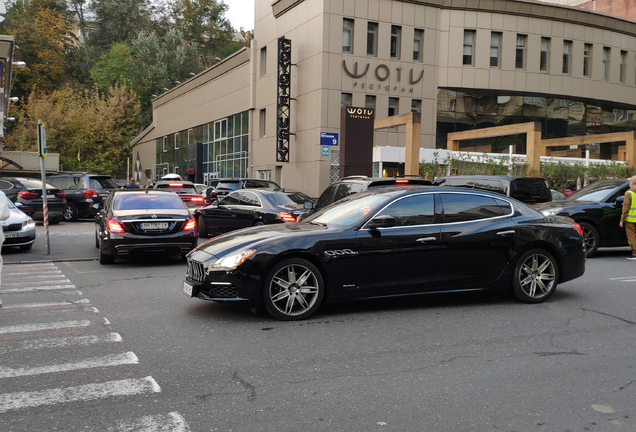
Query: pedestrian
x=628 y=217
x=5 y=213
x=132 y=184
x=570 y=189
x=154 y=182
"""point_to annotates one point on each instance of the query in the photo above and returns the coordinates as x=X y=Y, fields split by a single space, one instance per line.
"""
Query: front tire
x=105 y=258
x=293 y=290
x=203 y=228
x=591 y=239
x=70 y=213
x=535 y=277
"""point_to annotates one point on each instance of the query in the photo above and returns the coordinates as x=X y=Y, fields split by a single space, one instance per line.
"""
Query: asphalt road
x=458 y=362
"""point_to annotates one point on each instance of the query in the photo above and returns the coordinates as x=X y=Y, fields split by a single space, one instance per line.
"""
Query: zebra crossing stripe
x=110 y=360
x=60 y=342
x=30 y=275
x=58 y=279
x=44 y=326
x=36 y=288
x=40 y=305
x=172 y=422
x=127 y=387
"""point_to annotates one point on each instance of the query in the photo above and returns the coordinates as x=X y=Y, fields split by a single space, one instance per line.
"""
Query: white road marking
x=172 y=422
x=110 y=360
x=36 y=288
x=51 y=304
x=45 y=326
x=61 y=279
x=127 y=387
x=106 y=322
x=61 y=342
x=31 y=275
x=30 y=267
x=620 y=278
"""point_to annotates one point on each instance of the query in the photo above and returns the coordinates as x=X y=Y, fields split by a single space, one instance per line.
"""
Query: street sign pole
x=45 y=207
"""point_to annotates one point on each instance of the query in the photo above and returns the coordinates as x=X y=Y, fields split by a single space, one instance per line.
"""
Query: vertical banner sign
x=283 y=100
x=45 y=207
x=356 y=141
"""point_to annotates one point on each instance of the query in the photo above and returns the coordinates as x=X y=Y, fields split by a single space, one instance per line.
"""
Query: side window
x=413 y=210
x=505 y=207
x=5 y=185
x=248 y=199
x=326 y=197
x=74 y=183
x=346 y=189
x=251 y=184
x=231 y=199
x=465 y=207
x=58 y=182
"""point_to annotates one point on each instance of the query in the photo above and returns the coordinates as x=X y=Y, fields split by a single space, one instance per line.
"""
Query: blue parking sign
x=325 y=150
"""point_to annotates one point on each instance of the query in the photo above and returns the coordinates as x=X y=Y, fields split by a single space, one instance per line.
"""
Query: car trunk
x=149 y=223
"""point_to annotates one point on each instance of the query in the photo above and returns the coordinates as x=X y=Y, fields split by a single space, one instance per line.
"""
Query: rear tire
x=96 y=240
x=259 y=223
x=535 y=277
x=203 y=228
x=591 y=239
x=70 y=213
x=105 y=258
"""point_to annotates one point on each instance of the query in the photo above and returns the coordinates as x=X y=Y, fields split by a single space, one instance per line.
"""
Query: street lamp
x=19 y=64
x=14 y=99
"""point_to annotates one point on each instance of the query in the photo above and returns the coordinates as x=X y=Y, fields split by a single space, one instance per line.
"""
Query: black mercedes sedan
x=26 y=194
x=139 y=221
x=249 y=207
x=597 y=208
x=387 y=243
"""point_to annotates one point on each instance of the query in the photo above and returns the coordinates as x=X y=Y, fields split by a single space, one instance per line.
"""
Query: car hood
x=253 y=238
x=561 y=204
x=17 y=216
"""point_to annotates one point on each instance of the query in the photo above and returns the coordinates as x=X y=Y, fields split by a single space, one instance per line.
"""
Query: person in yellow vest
x=628 y=217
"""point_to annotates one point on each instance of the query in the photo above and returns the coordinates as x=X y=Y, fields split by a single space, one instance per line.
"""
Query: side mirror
x=308 y=205
x=619 y=201
x=382 y=222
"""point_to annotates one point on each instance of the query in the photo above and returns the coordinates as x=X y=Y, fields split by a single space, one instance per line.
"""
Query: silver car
x=19 y=229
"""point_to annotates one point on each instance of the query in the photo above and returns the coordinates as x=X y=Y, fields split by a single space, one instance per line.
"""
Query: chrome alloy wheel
x=589 y=239
x=294 y=290
x=537 y=276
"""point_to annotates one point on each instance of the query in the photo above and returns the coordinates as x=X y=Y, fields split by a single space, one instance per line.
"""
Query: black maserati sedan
x=597 y=208
x=386 y=243
x=139 y=221
x=249 y=207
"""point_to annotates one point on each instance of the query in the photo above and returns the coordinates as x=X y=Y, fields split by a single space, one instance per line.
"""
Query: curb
x=50 y=260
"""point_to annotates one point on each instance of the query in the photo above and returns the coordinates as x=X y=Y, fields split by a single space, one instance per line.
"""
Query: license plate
x=187 y=289
x=154 y=225
x=50 y=196
x=10 y=235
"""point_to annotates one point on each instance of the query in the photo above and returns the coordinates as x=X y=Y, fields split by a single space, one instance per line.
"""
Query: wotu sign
x=382 y=73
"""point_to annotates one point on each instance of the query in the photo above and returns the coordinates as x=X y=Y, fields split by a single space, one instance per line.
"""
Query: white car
x=19 y=229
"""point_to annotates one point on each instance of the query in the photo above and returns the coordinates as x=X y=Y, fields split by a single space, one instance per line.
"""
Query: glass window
x=495 y=49
x=176 y=141
x=263 y=61
x=587 y=56
x=606 y=60
x=372 y=39
x=231 y=199
x=369 y=101
x=621 y=71
x=413 y=210
x=326 y=197
x=165 y=144
x=346 y=189
x=396 y=34
x=393 y=106
x=262 y=119
x=416 y=106
x=567 y=48
x=520 y=55
x=545 y=54
x=249 y=199
x=418 y=39
x=349 y=211
x=346 y=99
x=97 y=183
x=288 y=199
x=467 y=207
x=469 y=46
x=147 y=201
x=347 y=36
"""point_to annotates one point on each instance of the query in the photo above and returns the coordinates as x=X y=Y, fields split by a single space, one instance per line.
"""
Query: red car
x=186 y=191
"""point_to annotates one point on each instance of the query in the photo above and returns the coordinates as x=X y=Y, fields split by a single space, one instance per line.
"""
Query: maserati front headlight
x=551 y=211
x=230 y=262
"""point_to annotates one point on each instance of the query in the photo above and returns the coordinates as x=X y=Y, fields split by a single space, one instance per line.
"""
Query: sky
x=240 y=13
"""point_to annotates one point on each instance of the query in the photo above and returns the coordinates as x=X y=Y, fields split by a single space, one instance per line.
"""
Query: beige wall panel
x=497 y=22
x=455 y=46
x=374 y=10
x=566 y=86
x=544 y=83
x=324 y=108
x=429 y=83
x=535 y=25
x=430 y=46
x=393 y=140
x=470 y=19
x=443 y=23
x=525 y=8
x=556 y=85
x=455 y=77
x=576 y=70
x=510 y=23
x=532 y=53
x=579 y=32
x=468 y=77
x=349 y=8
x=427 y=141
x=381 y=106
x=457 y=19
x=396 y=12
x=265 y=93
x=484 y=20
x=313 y=45
x=482 y=78
x=532 y=82
x=380 y=138
x=508 y=48
x=384 y=39
x=598 y=37
x=385 y=11
x=495 y=79
x=289 y=22
x=617 y=91
x=406 y=45
x=442 y=77
x=433 y=18
x=335 y=74
x=335 y=34
x=523 y=25
x=588 y=34
x=307 y=105
x=335 y=6
x=558 y=29
x=482 y=49
x=333 y=113
x=520 y=81
x=429 y=56
x=546 y=27
x=556 y=56
x=408 y=14
x=361 y=9
x=428 y=118
x=458 y=3
x=360 y=38
x=310 y=72
x=419 y=17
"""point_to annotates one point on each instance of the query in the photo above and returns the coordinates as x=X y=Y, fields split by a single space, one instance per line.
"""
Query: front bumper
x=22 y=239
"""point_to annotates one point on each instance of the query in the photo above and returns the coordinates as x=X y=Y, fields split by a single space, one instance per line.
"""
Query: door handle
x=426 y=239
x=503 y=233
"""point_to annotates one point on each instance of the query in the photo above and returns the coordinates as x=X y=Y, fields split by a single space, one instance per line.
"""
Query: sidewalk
x=69 y=241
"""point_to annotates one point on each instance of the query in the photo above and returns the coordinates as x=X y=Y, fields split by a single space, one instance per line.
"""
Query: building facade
x=463 y=64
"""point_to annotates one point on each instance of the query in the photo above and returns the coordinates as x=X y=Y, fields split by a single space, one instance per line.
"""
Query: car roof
x=138 y=190
x=182 y=182
x=494 y=177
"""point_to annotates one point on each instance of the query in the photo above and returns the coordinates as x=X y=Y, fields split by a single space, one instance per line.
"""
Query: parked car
x=529 y=190
x=19 y=229
x=26 y=194
x=597 y=208
x=245 y=208
x=142 y=221
x=186 y=191
x=556 y=195
x=200 y=187
x=85 y=192
x=389 y=242
x=354 y=184
x=225 y=186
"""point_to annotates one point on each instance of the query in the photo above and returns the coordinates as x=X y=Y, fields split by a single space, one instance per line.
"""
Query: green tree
x=113 y=68
x=118 y=21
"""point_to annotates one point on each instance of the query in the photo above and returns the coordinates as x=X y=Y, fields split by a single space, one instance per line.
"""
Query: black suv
x=225 y=186
x=529 y=190
x=85 y=193
x=354 y=184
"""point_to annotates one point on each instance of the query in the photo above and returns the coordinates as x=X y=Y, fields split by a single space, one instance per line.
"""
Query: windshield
x=179 y=188
x=595 y=192
x=530 y=190
x=228 y=185
x=147 y=201
x=289 y=199
x=101 y=183
x=348 y=211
